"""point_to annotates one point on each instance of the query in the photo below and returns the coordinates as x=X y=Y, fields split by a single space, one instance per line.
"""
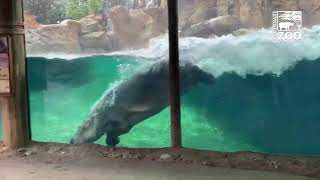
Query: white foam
x=254 y=53
x=66 y=56
x=158 y=48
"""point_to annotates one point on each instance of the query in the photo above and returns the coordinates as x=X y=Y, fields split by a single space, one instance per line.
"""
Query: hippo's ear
x=188 y=65
x=208 y=78
x=200 y=75
x=187 y=68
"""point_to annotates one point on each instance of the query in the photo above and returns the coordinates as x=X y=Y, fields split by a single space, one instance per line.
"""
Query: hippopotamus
x=132 y=101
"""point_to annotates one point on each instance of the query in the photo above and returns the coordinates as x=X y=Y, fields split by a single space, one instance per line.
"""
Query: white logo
x=287 y=26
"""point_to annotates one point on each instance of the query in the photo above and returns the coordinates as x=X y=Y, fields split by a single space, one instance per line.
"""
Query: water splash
x=254 y=53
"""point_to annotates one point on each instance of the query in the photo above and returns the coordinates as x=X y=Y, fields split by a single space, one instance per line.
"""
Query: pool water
x=266 y=96
x=236 y=114
x=254 y=113
x=61 y=97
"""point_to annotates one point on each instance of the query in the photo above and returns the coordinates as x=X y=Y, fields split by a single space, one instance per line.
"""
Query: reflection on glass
x=85 y=72
x=266 y=94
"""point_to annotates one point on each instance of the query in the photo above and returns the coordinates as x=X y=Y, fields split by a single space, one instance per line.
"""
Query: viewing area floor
x=91 y=162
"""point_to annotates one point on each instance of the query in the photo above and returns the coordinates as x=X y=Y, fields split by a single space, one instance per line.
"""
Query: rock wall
x=133 y=29
x=31 y=22
x=94 y=36
x=311 y=11
x=57 y=38
x=254 y=13
x=129 y=29
x=218 y=26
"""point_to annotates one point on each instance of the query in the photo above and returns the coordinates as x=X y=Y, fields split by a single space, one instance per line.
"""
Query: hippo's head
x=87 y=132
x=191 y=74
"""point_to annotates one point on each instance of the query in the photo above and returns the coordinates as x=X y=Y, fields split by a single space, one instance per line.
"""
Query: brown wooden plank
x=15 y=115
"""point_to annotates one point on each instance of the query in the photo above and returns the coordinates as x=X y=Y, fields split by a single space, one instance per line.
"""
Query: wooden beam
x=15 y=113
x=174 y=74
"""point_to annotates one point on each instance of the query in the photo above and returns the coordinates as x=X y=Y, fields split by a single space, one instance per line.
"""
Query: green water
x=58 y=110
x=60 y=102
x=253 y=113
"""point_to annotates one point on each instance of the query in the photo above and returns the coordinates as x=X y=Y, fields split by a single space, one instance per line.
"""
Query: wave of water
x=254 y=53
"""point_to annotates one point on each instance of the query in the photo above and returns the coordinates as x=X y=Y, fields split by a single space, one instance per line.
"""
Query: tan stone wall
x=255 y=13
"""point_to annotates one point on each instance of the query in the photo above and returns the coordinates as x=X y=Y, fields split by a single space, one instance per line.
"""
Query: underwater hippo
x=134 y=100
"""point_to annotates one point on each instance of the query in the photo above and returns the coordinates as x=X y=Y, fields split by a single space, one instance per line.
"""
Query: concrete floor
x=94 y=162
x=117 y=169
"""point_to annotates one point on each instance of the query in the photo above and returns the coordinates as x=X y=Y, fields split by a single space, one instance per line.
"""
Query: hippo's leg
x=114 y=130
x=112 y=140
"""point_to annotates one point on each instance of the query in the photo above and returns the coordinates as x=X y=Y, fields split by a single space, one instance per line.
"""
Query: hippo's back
x=145 y=94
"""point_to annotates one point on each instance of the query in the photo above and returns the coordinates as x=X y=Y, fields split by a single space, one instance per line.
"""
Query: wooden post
x=15 y=114
x=174 y=74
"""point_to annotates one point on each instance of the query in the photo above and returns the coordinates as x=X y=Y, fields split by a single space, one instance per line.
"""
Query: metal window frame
x=175 y=106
